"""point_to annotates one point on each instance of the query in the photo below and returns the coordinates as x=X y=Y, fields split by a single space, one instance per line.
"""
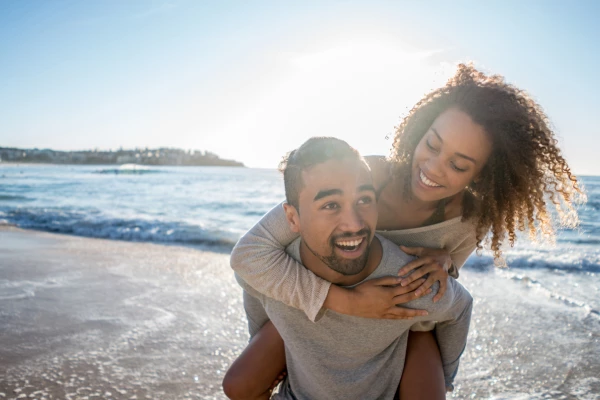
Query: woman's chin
x=428 y=194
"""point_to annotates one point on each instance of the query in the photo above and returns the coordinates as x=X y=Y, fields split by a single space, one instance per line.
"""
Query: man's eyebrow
x=368 y=186
x=325 y=193
x=458 y=154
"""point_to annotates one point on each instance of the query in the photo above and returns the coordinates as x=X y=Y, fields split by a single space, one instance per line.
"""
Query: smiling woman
x=451 y=137
x=490 y=138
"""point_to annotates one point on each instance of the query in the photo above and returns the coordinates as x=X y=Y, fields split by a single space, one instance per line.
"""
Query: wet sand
x=98 y=319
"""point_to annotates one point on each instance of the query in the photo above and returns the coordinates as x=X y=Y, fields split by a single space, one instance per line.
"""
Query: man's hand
x=277 y=381
x=377 y=298
x=435 y=262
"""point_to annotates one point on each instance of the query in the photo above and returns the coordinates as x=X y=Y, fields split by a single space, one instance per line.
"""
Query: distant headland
x=161 y=156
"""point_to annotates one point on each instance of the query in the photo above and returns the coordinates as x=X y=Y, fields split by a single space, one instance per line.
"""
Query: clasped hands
x=383 y=297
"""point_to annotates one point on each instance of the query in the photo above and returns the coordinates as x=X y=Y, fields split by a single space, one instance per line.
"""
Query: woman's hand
x=435 y=262
x=376 y=298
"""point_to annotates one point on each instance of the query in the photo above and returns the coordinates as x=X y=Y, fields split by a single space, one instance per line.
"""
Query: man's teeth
x=427 y=181
x=349 y=243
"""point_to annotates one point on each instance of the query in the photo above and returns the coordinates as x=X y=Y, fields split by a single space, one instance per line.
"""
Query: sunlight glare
x=355 y=91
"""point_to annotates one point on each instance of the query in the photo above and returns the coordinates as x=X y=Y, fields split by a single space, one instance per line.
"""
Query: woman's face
x=450 y=155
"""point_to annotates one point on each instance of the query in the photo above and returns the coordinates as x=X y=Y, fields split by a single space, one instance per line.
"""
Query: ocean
x=202 y=206
x=211 y=207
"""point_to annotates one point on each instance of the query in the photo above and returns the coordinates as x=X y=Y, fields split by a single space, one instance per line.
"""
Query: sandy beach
x=88 y=318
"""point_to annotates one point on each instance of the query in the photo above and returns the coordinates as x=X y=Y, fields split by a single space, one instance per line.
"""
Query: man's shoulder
x=293 y=249
x=247 y=288
x=393 y=258
x=392 y=251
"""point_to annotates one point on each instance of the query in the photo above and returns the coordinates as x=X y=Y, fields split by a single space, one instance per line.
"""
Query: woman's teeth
x=426 y=181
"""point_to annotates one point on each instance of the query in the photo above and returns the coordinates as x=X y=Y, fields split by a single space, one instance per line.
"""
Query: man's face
x=337 y=214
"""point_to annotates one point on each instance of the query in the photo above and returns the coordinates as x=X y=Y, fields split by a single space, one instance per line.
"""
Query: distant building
x=162 y=156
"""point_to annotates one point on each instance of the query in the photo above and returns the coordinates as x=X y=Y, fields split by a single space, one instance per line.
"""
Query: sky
x=252 y=80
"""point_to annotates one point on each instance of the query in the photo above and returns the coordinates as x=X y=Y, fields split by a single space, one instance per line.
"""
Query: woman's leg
x=250 y=376
x=423 y=375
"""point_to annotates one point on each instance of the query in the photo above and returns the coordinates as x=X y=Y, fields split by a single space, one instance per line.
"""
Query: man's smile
x=349 y=244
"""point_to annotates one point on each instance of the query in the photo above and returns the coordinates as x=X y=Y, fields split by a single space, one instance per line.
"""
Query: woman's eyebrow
x=466 y=157
x=458 y=154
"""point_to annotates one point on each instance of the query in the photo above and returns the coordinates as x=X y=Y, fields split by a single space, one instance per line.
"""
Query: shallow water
x=185 y=205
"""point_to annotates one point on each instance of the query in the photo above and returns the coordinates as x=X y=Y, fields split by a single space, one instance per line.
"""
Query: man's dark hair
x=314 y=151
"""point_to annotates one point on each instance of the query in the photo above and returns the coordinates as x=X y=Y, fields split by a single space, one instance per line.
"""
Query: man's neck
x=322 y=270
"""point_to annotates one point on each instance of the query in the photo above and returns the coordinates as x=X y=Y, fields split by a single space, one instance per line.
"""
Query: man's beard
x=342 y=265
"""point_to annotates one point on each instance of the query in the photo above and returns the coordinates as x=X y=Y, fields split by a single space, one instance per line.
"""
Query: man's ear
x=292 y=216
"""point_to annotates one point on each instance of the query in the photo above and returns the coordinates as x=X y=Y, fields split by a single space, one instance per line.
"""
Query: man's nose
x=352 y=220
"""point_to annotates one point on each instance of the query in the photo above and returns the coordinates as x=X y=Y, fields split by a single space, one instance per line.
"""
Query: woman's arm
x=260 y=259
x=461 y=253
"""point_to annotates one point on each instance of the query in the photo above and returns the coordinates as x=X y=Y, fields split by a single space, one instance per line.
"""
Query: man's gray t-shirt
x=347 y=357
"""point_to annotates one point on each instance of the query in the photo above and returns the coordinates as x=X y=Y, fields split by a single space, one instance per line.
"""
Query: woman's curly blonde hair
x=524 y=171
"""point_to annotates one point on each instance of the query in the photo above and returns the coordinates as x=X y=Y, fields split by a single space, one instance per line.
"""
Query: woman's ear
x=292 y=216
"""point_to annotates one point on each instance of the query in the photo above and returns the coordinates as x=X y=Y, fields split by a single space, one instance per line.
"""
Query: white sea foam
x=16 y=294
x=129 y=169
x=188 y=205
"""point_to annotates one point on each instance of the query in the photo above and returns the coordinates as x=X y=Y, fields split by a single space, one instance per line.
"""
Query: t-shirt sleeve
x=255 y=313
x=260 y=259
x=462 y=251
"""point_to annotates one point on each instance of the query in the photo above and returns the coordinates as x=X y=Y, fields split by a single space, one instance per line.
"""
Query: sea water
x=209 y=206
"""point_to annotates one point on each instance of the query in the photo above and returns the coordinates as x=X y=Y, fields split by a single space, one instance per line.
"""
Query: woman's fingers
x=394 y=316
x=413 y=251
x=398 y=290
x=385 y=281
x=421 y=272
x=428 y=284
x=405 y=298
x=404 y=313
x=440 y=293
x=413 y=265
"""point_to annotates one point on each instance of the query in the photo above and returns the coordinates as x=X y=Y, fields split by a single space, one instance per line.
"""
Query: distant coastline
x=160 y=156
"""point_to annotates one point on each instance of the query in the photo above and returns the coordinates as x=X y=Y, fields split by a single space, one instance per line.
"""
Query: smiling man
x=331 y=203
